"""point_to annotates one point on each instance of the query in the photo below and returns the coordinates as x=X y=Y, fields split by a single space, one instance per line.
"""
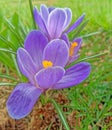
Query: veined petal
x=74 y=75
x=35 y=44
x=46 y=78
x=22 y=100
x=68 y=17
x=56 y=22
x=40 y=21
x=57 y=52
x=26 y=64
x=76 y=24
x=44 y=12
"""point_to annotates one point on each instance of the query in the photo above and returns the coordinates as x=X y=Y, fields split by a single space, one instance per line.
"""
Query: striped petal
x=56 y=22
x=21 y=102
x=57 y=52
x=74 y=75
x=46 y=78
x=35 y=44
x=26 y=64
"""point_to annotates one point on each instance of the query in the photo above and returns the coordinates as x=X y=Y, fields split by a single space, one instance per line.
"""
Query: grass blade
x=8 y=84
x=7 y=43
x=90 y=34
x=12 y=29
x=31 y=9
x=61 y=114
x=6 y=50
x=7 y=77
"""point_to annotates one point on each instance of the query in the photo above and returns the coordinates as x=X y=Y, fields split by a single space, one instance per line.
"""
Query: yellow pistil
x=47 y=63
x=72 y=47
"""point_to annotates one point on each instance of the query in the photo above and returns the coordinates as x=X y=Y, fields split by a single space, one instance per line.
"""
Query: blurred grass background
x=97 y=89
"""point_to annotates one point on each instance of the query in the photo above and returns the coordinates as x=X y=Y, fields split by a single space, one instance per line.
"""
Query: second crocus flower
x=54 y=22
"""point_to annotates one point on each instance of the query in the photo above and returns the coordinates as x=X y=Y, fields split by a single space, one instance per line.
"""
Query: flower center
x=72 y=47
x=47 y=63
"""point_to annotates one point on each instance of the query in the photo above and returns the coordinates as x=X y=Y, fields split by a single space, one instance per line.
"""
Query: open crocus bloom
x=43 y=64
x=54 y=21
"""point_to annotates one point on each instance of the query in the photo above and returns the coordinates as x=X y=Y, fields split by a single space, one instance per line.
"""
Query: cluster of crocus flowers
x=43 y=58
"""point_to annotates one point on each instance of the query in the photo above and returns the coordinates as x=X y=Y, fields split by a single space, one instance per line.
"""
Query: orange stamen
x=47 y=64
x=72 y=47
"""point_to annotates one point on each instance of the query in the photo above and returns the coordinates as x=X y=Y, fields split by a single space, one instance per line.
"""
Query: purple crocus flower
x=53 y=22
x=43 y=64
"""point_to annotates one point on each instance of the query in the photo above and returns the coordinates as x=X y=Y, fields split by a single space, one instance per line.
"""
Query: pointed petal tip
x=76 y=24
x=35 y=9
x=84 y=14
x=43 y=5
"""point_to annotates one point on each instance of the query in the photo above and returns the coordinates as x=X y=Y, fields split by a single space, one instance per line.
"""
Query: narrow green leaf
x=90 y=34
x=15 y=21
x=31 y=9
x=23 y=30
x=94 y=56
x=8 y=84
x=61 y=114
x=7 y=77
x=6 y=50
x=12 y=29
x=7 y=60
x=7 y=43
x=19 y=27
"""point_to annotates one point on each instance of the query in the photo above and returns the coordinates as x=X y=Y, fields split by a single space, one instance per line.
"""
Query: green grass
x=86 y=97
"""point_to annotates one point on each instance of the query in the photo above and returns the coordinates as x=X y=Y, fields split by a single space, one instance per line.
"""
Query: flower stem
x=31 y=9
x=61 y=114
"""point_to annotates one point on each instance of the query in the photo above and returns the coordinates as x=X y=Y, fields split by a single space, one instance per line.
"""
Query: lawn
x=87 y=106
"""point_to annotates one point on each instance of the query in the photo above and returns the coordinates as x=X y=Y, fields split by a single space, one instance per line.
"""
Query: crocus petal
x=68 y=17
x=57 y=52
x=65 y=38
x=56 y=22
x=26 y=64
x=44 y=12
x=22 y=100
x=35 y=44
x=76 y=24
x=74 y=75
x=46 y=78
x=75 y=55
x=39 y=21
x=79 y=42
